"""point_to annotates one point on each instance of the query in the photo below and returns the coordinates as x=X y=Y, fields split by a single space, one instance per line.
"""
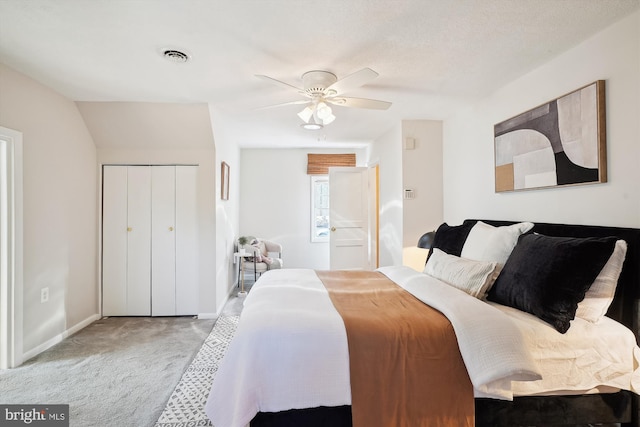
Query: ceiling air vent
x=175 y=56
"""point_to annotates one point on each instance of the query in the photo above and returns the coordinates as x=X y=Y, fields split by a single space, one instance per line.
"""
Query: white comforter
x=290 y=349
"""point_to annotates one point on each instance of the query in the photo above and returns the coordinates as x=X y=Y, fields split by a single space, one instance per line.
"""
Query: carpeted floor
x=129 y=371
x=119 y=371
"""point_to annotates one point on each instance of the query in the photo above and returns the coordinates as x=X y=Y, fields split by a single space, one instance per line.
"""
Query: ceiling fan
x=322 y=88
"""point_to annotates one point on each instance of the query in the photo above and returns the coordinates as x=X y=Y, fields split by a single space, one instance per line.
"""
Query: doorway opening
x=10 y=248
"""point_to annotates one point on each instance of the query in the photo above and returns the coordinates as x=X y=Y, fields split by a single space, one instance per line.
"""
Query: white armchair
x=266 y=255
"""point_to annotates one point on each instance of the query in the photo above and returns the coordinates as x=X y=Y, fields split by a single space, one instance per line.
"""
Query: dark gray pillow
x=548 y=276
x=450 y=239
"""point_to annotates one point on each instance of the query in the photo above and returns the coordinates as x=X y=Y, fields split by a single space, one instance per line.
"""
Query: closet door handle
x=170 y=228
x=129 y=229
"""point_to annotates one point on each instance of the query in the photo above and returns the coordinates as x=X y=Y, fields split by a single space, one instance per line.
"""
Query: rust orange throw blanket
x=406 y=368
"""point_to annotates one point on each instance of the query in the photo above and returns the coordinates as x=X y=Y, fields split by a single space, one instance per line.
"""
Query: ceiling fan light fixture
x=323 y=110
x=324 y=113
x=305 y=115
x=311 y=125
x=322 y=88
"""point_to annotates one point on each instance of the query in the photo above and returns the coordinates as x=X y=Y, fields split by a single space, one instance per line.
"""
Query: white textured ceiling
x=431 y=55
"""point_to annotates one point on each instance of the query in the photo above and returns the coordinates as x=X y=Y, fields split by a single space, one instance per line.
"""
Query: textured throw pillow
x=450 y=239
x=548 y=276
x=488 y=243
x=472 y=277
x=598 y=298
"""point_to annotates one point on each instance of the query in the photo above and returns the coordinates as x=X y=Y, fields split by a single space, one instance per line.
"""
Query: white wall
x=612 y=55
x=275 y=194
x=227 y=221
x=421 y=172
x=275 y=202
x=165 y=133
x=60 y=208
x=386 y=151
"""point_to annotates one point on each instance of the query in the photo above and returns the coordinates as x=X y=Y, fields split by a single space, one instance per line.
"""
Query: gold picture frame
x=224 y=181
x=560 y=143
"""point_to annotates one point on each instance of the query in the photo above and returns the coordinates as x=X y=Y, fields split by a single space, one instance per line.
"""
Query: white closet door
x=150 y=241
x=114 y=241
x=139 y=241
x=163 y=238
x=187 y=291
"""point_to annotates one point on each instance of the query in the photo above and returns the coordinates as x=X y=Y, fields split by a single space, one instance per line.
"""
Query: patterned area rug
x=186 y=404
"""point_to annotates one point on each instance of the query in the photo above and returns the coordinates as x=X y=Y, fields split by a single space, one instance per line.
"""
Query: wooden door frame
x=374 y=213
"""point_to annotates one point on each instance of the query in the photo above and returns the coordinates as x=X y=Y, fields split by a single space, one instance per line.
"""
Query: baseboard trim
x=221 y=306
x=58 y=338
x=207 y=316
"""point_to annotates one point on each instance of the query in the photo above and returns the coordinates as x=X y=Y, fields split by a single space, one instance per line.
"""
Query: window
x=319 y=208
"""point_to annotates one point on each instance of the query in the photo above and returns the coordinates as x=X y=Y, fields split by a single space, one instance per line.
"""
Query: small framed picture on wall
x=224 y=180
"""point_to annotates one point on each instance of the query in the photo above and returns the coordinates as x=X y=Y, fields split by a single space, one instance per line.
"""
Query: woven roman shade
x=319 y=164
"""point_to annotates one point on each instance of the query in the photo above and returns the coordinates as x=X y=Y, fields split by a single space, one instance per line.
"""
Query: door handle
x=333 y=229
x=129 y=229
x=170 y=228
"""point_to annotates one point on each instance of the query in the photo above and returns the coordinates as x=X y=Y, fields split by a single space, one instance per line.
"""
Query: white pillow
x=598 y=298
x=488 y=243
x=472 y=277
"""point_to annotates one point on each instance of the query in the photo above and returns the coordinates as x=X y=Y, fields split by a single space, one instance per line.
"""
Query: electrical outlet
x=44 y=295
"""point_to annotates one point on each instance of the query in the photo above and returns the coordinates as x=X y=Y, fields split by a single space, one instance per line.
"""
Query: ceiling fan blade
x=279 y=83
x=303 y=101
x=352 y=81
x=372 y=104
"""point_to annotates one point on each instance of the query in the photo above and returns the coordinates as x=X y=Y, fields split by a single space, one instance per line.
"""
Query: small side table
x=241 y=256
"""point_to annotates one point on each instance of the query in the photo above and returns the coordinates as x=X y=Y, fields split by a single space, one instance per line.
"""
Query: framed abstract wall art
x=562 y=142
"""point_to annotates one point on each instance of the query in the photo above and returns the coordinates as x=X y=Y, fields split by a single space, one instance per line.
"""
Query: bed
x=300 y=392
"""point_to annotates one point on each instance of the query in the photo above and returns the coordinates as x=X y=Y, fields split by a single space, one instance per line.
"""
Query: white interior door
x=186 y=240
x=349 y=218
x=163 y=240
x=114 y=241
x=139 y=241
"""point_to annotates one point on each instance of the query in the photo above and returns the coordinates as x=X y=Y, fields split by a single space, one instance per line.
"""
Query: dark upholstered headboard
x=624 y=308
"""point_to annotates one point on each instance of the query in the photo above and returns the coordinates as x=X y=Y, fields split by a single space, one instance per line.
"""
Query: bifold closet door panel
x=139 y=241
x=114 y=241
x=163 y=241
x=186 y=240
x=126 y=234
